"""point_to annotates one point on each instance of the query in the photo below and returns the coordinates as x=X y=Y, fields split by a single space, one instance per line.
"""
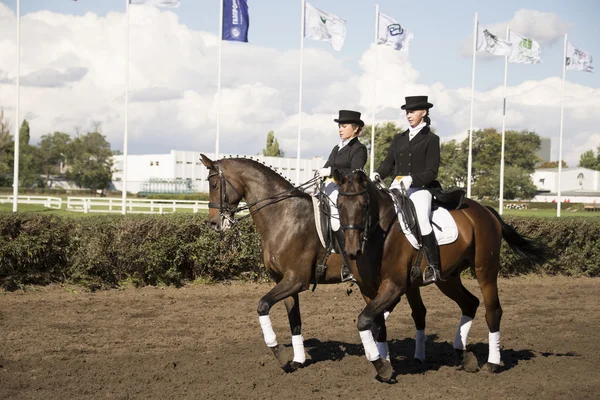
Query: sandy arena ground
x=204 y=342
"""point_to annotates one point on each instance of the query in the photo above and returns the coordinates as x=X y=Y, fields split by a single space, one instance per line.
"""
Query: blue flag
x=235 y=20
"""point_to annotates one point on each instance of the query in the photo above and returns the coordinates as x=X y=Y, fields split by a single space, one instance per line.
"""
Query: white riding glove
x=324 y=172
x=407 y=180
x=375 y=177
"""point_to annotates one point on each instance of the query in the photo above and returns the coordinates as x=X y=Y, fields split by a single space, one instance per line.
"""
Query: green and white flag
x=392 y=34
x=524 y=50
x=578 y=59
x=491 y=43
x=323 y=26
x=159 y=3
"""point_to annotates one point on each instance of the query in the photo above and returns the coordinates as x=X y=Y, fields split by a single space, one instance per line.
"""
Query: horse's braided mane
x=260 y=164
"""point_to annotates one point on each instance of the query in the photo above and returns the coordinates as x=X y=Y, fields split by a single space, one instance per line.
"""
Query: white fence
x=139 y=206
x=46 y=201
x=114 y=205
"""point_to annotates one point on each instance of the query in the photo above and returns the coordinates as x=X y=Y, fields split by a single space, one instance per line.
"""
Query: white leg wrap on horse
x=494 y=354
x=371 y=351
x=298 y=345
x=460 y=340
x=268 y=332
x=420 y=340
x=384 y=350
x=386 y=314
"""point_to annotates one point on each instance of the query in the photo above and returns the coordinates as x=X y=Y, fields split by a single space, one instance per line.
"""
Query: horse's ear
x=207 y=162
x=337 y=176
x=362 y=178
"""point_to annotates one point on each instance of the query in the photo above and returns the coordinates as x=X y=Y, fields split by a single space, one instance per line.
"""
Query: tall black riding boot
x=346 y=274
x=432 y=271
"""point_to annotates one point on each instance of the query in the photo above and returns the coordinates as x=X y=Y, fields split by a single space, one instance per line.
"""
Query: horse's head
x=353 y=207
x=225 y=194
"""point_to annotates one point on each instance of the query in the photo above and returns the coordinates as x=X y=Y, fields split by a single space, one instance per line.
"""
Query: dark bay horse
x=375 y=240
x=284 y=219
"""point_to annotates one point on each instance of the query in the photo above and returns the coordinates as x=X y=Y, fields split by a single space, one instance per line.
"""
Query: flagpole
x=501 y=205
x=300 y=90
x=560 y=140
x=217 y=141
x=372 y=168
x=18 y=99
x=470 y=156
x=125 y=134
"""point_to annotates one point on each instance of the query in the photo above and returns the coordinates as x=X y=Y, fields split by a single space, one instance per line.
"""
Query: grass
x=551 y=213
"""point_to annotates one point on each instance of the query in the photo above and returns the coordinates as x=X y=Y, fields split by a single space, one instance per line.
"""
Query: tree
x=453 y=165
x=552 y=164
x=6 y=151
x=53 y=149
x=520 y=152
x=29 y=160
x=272 y=149
x=90 y=161
x=588 y=160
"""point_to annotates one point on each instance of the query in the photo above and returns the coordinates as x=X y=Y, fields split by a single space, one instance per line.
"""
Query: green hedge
x=109 y=251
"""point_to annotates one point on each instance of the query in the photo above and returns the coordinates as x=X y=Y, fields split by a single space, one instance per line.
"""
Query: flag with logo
x=524 y=50
x=391 y=33
x=323 y=26
x=491 y=43
x=578 y=59
x=159 y=3
x=235 y=20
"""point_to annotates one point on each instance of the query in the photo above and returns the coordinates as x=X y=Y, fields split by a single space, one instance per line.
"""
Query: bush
x=107 y=251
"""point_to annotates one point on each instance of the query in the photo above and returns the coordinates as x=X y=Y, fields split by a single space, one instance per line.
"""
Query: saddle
x=450 y=200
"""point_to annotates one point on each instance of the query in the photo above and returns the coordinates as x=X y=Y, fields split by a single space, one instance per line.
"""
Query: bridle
x=226 y=210
x=361 y=228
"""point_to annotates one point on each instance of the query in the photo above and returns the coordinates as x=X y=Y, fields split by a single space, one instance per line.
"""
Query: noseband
x=364 y=228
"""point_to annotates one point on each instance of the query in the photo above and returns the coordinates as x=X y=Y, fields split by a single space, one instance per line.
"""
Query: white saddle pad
x=443 y=224
x=317 y=212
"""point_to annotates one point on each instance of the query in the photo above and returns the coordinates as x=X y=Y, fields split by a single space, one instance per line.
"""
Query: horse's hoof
x=384 y=369
x=491 y=368
x=295 y=365
x=469 y=362
x=280 y=355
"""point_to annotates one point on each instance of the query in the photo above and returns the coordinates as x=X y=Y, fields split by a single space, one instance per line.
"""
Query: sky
x=73 y=72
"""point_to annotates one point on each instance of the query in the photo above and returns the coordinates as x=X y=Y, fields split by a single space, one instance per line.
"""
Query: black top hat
x=349 y=117
x=416 y=103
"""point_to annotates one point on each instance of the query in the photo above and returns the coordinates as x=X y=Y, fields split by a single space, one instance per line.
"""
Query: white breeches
x=421 y=198
x=332 y=189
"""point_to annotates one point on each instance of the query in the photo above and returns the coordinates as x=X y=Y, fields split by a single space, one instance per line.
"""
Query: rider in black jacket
x=348 y=155
x=414 y=159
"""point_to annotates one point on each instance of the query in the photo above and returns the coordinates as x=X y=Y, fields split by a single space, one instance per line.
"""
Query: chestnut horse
x=375 y=240
x=284 y=219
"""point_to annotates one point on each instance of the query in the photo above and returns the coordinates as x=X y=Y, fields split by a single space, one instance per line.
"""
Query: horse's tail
x=525 y=246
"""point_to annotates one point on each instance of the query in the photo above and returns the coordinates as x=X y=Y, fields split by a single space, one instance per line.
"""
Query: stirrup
x=345 y=277
x=435 y=275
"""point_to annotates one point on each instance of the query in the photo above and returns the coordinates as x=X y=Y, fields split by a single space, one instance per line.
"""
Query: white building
x=182 y=171
x=578 y=185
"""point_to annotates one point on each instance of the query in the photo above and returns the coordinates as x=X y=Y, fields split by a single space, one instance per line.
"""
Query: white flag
x=159 y=3
x=392 y=34
x=491 y=43
x=323 y=26
x=524 y=50
x=578 y=59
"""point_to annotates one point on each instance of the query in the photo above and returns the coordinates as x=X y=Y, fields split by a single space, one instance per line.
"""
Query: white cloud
x=73 y=73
